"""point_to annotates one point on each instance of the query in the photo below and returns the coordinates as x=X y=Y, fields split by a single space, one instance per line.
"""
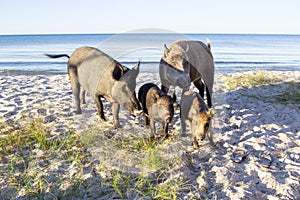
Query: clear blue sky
x=118 y=16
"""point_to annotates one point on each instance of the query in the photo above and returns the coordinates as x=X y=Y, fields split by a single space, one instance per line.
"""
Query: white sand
x=259 y=128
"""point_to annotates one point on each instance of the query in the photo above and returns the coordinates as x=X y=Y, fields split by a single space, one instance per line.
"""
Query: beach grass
x=258 y=78
x=36 y=164
x=290 y=95
x=29 y=149
x=289 y=92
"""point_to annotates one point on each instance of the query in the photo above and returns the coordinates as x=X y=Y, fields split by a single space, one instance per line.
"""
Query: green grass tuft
x=290 y=95
x=258 y=78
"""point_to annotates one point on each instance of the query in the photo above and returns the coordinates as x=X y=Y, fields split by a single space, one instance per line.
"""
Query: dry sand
x=257 y=152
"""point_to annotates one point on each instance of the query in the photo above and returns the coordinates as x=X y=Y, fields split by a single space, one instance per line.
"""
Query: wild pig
x=99 y=74
x=196 y=113
x=157 y=106
x=186 y=62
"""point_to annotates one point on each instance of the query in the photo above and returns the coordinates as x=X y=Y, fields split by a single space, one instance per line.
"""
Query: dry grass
x=258 y=78
x=289 y=92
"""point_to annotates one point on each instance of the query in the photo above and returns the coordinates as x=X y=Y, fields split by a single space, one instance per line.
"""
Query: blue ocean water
x=232 y=52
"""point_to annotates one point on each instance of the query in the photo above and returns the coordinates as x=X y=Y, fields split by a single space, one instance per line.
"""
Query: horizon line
x=140 y=33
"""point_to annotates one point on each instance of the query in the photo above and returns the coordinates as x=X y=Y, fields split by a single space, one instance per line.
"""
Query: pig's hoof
x=116 y=125
x=78 y=112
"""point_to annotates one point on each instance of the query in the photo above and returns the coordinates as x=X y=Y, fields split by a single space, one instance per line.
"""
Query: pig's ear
x=153 y=97
x=173 y=97
x=166 y=51
x=131 y=74
x=129 y=78
x=136 y=68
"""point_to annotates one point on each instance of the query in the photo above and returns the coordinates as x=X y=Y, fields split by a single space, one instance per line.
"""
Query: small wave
x=142 y=62
x=245 y=62
x=20 y=63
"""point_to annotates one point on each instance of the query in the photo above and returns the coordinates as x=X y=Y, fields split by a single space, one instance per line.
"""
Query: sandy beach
x=256 y=154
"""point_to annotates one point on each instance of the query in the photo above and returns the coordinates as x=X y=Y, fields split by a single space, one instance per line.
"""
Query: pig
x=156 y=106
x=194 y=111
x=185 y=62
x=94 y=71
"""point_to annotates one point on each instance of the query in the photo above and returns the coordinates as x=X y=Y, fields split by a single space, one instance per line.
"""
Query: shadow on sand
x=257 y=146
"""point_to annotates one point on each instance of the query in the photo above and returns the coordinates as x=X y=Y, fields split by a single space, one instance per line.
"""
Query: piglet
x=157 y=107
x=194 y=111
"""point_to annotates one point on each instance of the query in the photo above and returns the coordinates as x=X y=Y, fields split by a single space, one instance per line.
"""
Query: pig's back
x=142 y=94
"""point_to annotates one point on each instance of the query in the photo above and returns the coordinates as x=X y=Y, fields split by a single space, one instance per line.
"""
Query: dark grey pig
x=196 y=113
x=94 y=71
x=157 y=106
x=186 y=62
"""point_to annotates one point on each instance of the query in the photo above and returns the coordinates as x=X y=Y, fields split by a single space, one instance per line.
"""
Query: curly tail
x=57 y=56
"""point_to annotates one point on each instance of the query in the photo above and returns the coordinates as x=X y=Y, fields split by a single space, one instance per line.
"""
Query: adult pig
x=194 y=111
x=187 y=61
x=99 y=74
x=157 y=106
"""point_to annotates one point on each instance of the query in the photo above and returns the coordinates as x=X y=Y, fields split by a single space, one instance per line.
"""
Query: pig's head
x=163 y=105
x=176 y=56
x=123 y=91
x=200 y=126
x=175 y=66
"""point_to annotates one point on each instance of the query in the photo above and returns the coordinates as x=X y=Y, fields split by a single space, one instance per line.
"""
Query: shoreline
x=256 y=132
x=21 y=72
x=218 y=72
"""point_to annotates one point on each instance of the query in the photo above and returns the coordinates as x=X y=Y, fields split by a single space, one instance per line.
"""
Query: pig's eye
x=206 y=126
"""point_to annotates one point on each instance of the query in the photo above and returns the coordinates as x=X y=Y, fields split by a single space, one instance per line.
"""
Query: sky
x=120 y=16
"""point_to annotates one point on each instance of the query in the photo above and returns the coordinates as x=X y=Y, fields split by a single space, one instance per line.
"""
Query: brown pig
x=194 y=110
x=157 y=106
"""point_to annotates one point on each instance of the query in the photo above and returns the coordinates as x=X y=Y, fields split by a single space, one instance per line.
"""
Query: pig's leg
x=165 y=84
x=152 y=127
x=82 y=96
x=115 y=111
x=200 y=86
x=166 y=126
x=210 y=136
x=208 y=95
x=146 y=119
x=99 y=106
x=76 y=91
x=183 y=124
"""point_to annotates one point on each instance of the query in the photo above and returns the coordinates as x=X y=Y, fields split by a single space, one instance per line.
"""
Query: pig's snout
x=202 y=137
x=167 y=117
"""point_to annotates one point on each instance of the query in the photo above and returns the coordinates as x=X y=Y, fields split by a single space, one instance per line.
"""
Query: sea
x=232 y=52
